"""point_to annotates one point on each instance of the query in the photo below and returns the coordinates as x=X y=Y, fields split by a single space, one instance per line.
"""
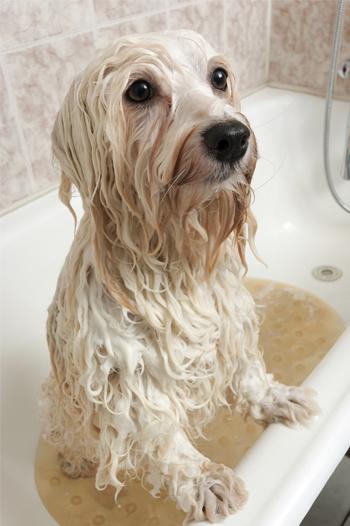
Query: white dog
x=151 y=329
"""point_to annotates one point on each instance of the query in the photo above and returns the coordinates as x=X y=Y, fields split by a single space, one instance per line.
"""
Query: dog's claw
x=292 y=406
x=220 y=494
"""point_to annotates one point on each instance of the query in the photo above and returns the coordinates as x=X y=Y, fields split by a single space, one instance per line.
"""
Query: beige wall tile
x=247 y=41
x=206 y=17
x=40 y=78
x=15 y=183
x=24 y=21
x=146 y=24
x=114 y=9
x=301 y=40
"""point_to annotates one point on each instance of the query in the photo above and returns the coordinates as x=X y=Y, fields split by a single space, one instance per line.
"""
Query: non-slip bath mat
x=297 y=331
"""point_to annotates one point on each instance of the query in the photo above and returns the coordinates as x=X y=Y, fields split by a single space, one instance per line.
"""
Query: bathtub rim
x=331 y=433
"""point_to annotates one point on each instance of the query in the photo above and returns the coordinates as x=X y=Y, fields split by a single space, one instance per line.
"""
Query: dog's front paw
x=219 y=494
x=289 y=405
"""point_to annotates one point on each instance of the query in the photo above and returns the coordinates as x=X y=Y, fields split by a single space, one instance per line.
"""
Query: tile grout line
x=268 y=43
x=167 y=15
x=224 y=10
x=18 y=123
x=92 y=17
x=102 y=25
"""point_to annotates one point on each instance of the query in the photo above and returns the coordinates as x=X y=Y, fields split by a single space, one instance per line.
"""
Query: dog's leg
x=267 y=400
x=76 y=444
x=200 y=487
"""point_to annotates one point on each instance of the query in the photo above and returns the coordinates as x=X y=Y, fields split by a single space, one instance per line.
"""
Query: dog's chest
x=186 y=328
x=186 y=345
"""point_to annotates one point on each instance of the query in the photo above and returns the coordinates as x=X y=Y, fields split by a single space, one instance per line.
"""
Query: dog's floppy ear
x=83 y=150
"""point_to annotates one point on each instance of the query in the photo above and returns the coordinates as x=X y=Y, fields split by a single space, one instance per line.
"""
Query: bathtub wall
x=301 y=43
x=45 y=43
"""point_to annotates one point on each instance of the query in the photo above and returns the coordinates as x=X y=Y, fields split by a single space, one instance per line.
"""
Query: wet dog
x=151 y=328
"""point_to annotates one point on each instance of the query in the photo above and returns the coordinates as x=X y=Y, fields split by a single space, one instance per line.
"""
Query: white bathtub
x=300 y=228
x=299 y=224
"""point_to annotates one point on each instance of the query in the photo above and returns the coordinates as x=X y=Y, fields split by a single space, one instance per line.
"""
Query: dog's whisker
x=275 y=173
x=171 y=186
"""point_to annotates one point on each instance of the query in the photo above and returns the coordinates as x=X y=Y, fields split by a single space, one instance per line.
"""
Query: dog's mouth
x=222 y=152
x=236 y=172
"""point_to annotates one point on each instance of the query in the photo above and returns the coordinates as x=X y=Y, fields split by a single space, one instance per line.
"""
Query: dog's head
x=152 y=136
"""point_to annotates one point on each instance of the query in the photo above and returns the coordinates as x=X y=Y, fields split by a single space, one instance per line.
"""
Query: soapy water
x=297 y=331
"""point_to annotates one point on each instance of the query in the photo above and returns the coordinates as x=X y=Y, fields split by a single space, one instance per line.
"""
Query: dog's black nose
x=227 y=141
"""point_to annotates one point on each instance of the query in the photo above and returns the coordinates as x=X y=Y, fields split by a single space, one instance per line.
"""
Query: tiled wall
x=301 y=42
x=44 y=43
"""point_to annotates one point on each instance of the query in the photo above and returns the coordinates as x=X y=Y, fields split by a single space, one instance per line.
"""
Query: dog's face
x=152 y=136
x=181 y=105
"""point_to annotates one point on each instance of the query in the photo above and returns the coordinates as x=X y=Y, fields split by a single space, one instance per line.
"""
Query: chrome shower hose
x=330 y=89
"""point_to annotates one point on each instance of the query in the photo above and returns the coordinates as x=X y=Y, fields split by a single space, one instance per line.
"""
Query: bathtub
x=300 y=228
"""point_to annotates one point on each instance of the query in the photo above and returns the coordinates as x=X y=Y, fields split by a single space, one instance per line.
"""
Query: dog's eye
x=219 y=79
x=140 y=91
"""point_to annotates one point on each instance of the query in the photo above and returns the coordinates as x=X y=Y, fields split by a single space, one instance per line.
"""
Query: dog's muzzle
x=227 y=141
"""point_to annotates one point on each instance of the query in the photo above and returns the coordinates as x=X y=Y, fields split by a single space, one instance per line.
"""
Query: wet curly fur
x=151 y=329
